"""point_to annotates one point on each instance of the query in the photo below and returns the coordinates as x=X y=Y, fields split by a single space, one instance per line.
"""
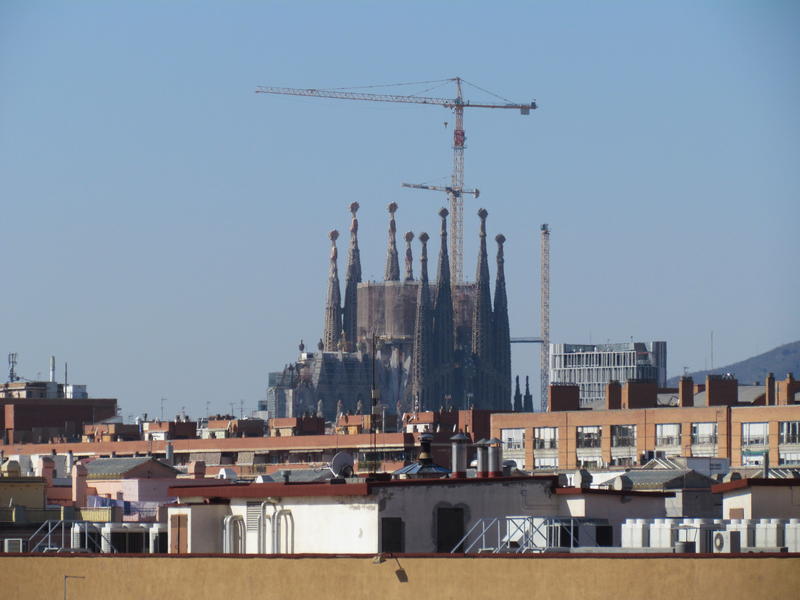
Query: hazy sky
x=165 y=228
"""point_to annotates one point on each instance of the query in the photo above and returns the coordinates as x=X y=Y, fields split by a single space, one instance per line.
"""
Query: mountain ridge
x=779 y=361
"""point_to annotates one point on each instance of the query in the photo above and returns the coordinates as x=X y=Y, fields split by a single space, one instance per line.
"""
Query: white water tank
x=769 y=533
x=791 y=536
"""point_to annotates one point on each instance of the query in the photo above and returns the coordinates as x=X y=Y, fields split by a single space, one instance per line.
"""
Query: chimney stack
x=52 y=369
x=495 y=457
x=459 y=456
x=482 y=462
x=769 y=389
x=685 y=392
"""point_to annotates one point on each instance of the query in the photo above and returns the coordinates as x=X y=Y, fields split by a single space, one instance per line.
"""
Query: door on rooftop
x=449 y=529
x=178 y=534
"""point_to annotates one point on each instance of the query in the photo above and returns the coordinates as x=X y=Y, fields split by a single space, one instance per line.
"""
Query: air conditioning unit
x=727 y=542
x=12 y=545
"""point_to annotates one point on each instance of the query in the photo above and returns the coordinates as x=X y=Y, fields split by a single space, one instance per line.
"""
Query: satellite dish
x=342 y=465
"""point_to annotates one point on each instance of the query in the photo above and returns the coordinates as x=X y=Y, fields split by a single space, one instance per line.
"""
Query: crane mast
x=455 y=191
x=544 y=360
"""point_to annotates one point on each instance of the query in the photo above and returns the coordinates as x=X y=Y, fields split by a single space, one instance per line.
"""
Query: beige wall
x=185 y=578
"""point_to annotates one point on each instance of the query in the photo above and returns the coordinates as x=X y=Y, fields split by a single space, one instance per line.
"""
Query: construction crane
x=455 y=190
x=544 y=360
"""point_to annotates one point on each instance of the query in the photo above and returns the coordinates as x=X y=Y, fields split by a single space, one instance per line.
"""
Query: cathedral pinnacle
x=392 y=265
x=352 y=279
x=333 y=308
x=409 y=237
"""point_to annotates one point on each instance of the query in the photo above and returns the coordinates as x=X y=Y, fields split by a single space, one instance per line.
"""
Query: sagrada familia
x=424 y=345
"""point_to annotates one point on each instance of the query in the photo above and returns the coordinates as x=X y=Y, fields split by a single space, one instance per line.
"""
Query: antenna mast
x=544 y=360
x=12 y=367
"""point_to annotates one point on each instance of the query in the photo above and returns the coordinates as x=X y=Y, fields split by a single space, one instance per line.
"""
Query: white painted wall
x=762 y=502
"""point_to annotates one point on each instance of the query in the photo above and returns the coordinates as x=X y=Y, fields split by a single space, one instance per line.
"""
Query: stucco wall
x=417 y=505
x=775 y=502
x=189 y=578
x=335 y=525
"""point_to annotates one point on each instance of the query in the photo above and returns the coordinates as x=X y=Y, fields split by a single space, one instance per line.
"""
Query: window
x=789 y=432
x=622 y=461
x=545 y=463
x=513 y=439
x=668 y=434
x=789 y=458
x=623 y=436
x=704 y=433
x=754 y=434
x=392 y=539
x=545 y=438
x=588 y=436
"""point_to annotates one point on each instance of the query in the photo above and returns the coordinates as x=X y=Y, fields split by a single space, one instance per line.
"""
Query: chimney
x=170 y=454
x=786 y=390
x=722 y=390
x=613 y=395
x=48 y=468
x=685 y=392
x=562 y=397
x=483 y=462
x=639 y=394
x=197 y=469
x=459 y=456
x=769 y=389
x=52 y=369
x=79 y=474
x=495 y=457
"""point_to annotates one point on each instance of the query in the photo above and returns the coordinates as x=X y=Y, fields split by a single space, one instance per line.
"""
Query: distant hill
x=780 y=361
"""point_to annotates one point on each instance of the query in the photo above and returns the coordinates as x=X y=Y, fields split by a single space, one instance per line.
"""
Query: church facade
x=419 y=344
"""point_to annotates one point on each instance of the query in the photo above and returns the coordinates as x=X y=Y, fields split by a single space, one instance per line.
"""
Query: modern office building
x=592 y=366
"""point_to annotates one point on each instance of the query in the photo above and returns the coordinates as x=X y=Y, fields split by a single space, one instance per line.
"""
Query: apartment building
x=635 y=426
x=591 y=366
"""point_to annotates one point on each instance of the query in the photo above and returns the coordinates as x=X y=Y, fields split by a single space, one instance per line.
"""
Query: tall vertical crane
x=544 y=360
x=455 y=190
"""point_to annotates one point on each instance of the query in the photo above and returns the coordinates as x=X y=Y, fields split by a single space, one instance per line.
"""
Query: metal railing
x=57 y=536
x=710 y=438
x=668 y=440
x=592 y=442
x=543 y=444
x=623 y=441
x=524 y=534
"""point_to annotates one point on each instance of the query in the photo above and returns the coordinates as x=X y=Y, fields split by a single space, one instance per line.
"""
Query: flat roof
x=315 y=489
x=740 y=484
x=575 y=491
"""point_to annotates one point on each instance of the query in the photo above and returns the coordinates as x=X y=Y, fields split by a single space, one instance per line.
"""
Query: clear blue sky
x=165 y=228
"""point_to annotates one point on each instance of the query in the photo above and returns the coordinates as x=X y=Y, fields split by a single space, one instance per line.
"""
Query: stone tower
x=501 y=337
x=352 y=279
x=392 y=272
x=333 y=304
x=423 y=336
x=443 y=359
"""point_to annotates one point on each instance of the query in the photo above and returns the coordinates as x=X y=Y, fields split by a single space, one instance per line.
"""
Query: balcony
x=789 y=438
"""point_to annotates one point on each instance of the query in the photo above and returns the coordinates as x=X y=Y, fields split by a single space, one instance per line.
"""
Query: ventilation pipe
x=52 y=369
x=170 y=454
x=482 y=462
x=495 y=457
x=458 y=464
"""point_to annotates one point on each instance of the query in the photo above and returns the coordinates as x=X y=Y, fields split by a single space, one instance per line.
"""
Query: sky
x=165 y=228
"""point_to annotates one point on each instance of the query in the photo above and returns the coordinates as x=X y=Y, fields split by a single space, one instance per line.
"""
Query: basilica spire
x=482 y=313
x=409 y=276
x=517 y=398
x=502 y=336
x=392 y=266
x=443 y=340
x=333 y=304
x=527 y=402
x=423 y=333
x=352 y=279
